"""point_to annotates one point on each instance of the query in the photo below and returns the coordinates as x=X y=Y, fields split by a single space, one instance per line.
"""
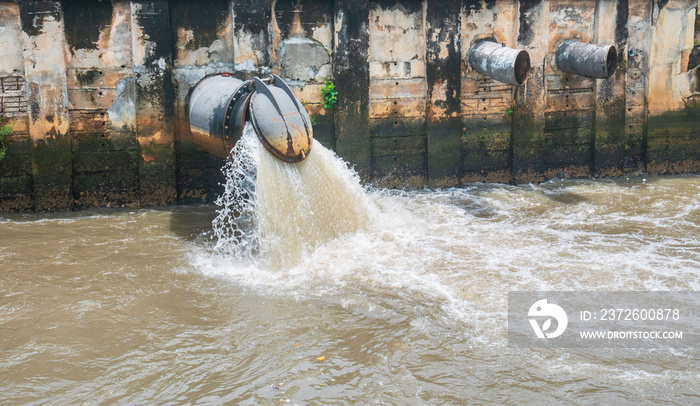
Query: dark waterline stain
x=83 y=24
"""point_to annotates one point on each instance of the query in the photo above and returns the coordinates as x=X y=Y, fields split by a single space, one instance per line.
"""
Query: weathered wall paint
x=529 y=145
x=397 y=94
x=16 y=178
x=154 y=98
x=97 y=92
x=101 y=104
x=486 y=104
x=252 y=36
x=615 y=152
x=443 y=74
x=351 y=74
x=637 y=61
x=47 y=95
x=673 y=137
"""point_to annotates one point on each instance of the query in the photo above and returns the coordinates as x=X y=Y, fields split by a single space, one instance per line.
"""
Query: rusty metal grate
x=13 y=99
x=10 y=105
x=12 y=84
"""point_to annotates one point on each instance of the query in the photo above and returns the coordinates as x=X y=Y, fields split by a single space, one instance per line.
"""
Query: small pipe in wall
x=589 y=60
x=507 y=65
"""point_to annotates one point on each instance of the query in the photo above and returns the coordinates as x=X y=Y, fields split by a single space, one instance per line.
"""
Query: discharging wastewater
x=310 y=290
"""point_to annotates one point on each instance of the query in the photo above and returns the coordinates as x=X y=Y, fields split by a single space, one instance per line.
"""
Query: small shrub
x=329 y=95
x=5 y=130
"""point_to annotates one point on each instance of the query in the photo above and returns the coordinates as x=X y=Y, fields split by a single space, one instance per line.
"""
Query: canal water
x=369 y=297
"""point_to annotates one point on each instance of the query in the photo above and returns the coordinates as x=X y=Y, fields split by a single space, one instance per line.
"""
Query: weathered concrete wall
x=673 y=90
x=47 y=98
x=96 y=92
x=398 y=93
x=16 y=174
x=102 y=111
x=486 y=126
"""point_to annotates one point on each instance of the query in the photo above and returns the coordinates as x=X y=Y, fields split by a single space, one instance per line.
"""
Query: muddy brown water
x=115 y=306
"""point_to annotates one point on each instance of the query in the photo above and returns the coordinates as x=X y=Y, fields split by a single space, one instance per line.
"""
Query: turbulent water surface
x=342 y=296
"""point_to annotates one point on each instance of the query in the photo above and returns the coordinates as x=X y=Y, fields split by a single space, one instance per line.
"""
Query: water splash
x=277 y=213
x=235 y=226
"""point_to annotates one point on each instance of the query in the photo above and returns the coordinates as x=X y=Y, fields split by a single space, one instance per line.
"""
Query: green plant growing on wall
x=509 y=112
x=5 y=130
x=329 y=95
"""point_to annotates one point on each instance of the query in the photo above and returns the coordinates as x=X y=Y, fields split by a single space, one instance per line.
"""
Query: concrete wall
x=97 y=91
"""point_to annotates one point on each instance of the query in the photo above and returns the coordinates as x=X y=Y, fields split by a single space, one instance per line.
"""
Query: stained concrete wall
x=96 y=92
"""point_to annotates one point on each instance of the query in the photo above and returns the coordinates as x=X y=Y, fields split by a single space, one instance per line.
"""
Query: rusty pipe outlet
x=589 y=60
x=220 y=105
x=507 y=65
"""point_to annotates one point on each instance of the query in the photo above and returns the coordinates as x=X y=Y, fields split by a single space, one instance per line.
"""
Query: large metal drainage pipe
x=589 y=60
x=217 y=108
x=507 y=65
x=220 y=105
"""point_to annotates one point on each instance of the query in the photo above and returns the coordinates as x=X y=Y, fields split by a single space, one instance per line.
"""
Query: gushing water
x=235 y=226
x=278 y=213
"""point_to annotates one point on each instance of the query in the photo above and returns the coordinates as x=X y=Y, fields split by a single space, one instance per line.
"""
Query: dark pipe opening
x=611 y=61
x=522 y=67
